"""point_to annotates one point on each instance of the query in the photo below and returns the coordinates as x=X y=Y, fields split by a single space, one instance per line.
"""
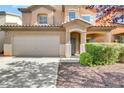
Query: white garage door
x=42 y=46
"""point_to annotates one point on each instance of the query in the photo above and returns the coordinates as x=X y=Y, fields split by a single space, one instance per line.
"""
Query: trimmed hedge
x=121 y=55
x=86 y=59
x=105 y=53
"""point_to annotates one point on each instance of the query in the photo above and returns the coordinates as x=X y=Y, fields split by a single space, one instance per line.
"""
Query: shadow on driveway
x=26 y=74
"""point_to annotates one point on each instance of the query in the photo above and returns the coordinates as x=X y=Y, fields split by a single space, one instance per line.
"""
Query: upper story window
x=42 y=19
x=87 y=18
x=72 y=15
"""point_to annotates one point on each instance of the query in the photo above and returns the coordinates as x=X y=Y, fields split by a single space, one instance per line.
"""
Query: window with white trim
x=87 y=18
x=42 y=19
x=72 y=15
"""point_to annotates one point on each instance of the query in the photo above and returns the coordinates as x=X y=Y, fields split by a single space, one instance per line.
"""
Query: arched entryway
x=75 y=43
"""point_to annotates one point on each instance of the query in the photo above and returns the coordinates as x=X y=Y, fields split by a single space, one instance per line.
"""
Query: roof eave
x=30 y=25
x=30 y=28
x=24 y=10
x=101 y=28
x=29 y=9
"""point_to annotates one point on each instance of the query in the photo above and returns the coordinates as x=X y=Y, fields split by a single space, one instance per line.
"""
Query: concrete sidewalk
x=36 y=59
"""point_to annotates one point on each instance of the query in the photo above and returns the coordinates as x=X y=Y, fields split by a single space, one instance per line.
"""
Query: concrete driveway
x=28 y=72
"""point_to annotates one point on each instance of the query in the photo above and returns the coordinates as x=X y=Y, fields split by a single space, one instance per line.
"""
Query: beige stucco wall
x=80 y=11
x=41 y=10
x=2 y=19
x=57 y=17
x=26 y=18
x=13 y=19
x=100 y=36
x=118 y=30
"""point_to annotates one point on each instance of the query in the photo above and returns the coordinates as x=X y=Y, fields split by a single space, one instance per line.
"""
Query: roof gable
x=77 y=21
x=33 y=7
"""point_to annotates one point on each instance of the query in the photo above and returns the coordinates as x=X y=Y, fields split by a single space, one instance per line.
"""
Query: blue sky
x=12 y=8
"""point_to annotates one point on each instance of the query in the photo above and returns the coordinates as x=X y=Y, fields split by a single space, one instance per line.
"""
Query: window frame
x=43 y=20
x=91 y=18
x=69 y=15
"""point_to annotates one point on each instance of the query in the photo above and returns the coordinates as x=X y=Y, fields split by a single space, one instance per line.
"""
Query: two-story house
x=54 y=30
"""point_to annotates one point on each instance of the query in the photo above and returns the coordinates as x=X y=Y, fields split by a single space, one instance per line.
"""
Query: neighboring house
x=7 y=19
x=56 y=30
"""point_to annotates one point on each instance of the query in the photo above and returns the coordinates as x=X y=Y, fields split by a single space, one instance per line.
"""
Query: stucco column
x=7 y=46
x=83 y=41
x=68 y=45
x=109 y=37
x=7 y=49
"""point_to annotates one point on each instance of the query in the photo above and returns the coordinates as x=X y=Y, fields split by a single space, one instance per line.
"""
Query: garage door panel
x=36 y=46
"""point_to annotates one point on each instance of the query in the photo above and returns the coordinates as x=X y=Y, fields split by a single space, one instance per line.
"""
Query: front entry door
x=73 y=46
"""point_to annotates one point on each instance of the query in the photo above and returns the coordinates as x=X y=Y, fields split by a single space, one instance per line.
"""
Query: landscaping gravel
x=74 y=75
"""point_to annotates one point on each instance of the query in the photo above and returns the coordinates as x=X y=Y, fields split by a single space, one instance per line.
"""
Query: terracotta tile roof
x=31 y=28
x=15 y=25
x=117 y=24
x=101 y=28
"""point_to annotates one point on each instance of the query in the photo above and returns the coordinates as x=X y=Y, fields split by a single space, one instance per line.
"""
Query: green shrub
x=103 y=53
x=86 y=59
x=121 y=55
